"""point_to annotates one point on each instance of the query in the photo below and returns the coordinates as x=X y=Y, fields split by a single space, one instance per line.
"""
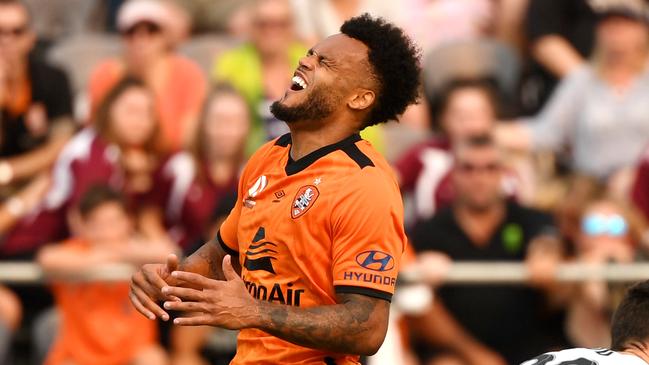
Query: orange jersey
x=330 y=222
x=99 y=324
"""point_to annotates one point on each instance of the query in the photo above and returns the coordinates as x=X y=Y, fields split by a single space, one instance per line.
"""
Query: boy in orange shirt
x=99 y=326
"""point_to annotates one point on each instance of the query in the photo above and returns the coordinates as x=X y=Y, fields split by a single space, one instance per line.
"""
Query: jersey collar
x=293 y=167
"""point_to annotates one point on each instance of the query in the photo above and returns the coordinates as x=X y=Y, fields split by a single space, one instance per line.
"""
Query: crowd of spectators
x=124 y=125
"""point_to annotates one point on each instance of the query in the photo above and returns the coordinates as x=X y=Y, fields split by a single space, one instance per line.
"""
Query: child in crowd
x=99 y=325
x=609 y=233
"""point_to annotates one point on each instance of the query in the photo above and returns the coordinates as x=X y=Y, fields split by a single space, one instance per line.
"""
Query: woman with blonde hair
x=599 y=112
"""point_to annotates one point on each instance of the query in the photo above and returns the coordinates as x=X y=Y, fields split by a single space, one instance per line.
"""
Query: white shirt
x=586 y=357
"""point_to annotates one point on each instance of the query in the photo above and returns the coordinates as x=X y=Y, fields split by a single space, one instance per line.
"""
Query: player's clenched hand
x=146 y=288
x=225 y=304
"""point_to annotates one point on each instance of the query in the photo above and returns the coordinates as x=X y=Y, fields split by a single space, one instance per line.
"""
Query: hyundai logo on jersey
x=375 y=260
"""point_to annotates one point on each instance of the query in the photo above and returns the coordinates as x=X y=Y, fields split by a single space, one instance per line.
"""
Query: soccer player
x=629 y=337
x=306 y=263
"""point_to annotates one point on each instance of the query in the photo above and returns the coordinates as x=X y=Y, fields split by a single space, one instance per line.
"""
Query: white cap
x=136 y=11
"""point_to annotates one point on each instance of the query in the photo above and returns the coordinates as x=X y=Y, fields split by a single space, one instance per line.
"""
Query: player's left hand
x=225 y=304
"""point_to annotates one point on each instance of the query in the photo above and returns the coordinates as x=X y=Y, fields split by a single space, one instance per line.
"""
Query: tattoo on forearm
x=339 y=328
x=206 y=261
x=213 y=260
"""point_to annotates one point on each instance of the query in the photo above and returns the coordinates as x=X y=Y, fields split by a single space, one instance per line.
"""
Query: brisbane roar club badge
x=304 y=199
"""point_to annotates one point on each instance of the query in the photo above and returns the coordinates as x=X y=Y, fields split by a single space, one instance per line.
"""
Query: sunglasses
x=600 y=224
x=13 y=32
x=146 y=27
x=470 y=168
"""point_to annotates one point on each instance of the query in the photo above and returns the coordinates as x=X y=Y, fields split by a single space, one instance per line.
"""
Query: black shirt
x=50 y=89
x=575 y=21
x=508 y=319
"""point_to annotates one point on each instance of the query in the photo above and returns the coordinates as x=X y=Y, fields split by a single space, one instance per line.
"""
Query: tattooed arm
x=357 y=325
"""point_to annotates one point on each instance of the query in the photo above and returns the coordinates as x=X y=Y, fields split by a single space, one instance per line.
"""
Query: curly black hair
x=395 y=62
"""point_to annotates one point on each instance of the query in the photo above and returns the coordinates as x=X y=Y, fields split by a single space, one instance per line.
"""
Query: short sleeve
x=368 y=236
x=554 y=126
x=546 y=17
x=58 y=102
x=420 y=235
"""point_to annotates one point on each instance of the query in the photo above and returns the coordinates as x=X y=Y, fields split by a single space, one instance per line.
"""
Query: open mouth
x=298 y=83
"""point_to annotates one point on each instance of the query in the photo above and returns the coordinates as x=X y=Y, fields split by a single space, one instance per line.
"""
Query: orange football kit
x=303 y=231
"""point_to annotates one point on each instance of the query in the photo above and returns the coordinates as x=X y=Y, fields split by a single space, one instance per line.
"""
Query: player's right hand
x=146 y=285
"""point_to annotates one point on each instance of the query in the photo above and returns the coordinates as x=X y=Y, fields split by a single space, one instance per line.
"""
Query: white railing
x=30 y=273
x=459 y=273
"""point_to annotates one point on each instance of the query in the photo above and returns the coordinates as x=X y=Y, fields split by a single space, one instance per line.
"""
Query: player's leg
x=186 y=344
x=151 y=355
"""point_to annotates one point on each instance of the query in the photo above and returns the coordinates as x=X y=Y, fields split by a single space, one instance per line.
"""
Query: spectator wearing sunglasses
x=149 y=32
x=609 y=232
x=35 y=102
x=485 y=324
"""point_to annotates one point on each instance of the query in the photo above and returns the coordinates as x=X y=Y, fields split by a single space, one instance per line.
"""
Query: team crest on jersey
x=304 y=200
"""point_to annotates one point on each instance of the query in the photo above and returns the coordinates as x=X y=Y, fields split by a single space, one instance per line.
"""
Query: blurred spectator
x=485 y=324
x=150 y=30
x=191 y=183
x=99 y=325
x=261 y=69
x=179 y=26
x=318 y=19
x=561 y=35
x=608 y=233
x=11 y=308
x=187 y=343
x=435 y=22
x=599 y=111
x=54 y=20
x=35 y=101
x=218 y=16
x=462 y=109
x=118 y=150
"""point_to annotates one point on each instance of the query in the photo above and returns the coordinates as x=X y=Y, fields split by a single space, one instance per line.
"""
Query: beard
x=318 y=105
